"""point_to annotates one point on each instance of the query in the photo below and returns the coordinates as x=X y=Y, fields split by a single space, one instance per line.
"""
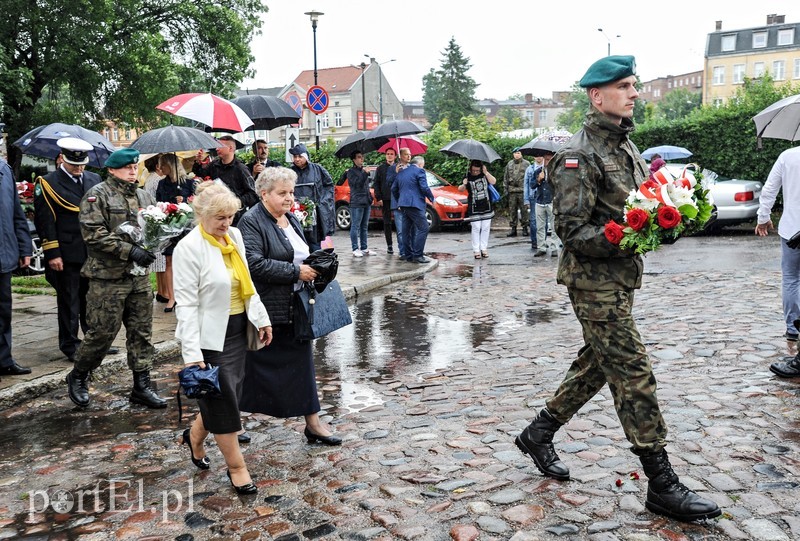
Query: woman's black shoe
x=327 y=440
x=161 y=299
x=244 y=437
x=169 y=309
x=249 y=488
x=202 y=463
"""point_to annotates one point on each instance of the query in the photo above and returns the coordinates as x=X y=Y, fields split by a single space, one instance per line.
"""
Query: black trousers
x=5 y=319
x=387 y=221
x=71 y=291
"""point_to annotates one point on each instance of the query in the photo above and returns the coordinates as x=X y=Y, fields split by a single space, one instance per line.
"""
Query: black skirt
x=221 y=414
x=280 y=379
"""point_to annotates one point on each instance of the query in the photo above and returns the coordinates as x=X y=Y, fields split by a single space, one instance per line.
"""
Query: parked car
x=448 y=207
x=736 y=200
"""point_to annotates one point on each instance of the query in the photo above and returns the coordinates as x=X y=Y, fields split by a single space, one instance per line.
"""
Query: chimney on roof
x=780 y=19
x=528 y=98
x=771 y=18
x=719 y=26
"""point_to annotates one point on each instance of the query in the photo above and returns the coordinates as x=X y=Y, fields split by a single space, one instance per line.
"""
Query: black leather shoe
x=540 y=253
x=786 y=369
x=421 y=260
x=14 y=370
x=249 y=488
x=327 y=440
x=113 y=350
x=78 y=387
x=202 y=463
x=536 y=441
x=389 y=250
x=244 y=437
x=512 y=233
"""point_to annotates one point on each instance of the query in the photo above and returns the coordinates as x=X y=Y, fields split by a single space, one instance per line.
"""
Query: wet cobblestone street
x=428 y=388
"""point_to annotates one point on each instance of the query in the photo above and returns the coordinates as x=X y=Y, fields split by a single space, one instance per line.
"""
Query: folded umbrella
x=470 y=149
x=217 y=113
x=326 y=263
x=41 y=142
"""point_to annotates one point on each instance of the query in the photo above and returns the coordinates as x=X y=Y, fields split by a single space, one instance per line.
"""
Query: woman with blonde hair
x=217 y=301
x=173 y=188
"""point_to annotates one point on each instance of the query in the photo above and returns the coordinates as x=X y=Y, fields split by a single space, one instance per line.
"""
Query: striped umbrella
x=217 y=113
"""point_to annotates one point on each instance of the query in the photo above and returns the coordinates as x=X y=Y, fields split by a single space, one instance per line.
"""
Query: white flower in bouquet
x=682 y=196
x=636 y=199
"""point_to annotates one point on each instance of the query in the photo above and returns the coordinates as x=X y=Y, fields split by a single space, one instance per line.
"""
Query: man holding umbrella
x=56 y=203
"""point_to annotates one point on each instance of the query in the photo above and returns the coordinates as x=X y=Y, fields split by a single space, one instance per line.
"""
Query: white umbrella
x=781 y=120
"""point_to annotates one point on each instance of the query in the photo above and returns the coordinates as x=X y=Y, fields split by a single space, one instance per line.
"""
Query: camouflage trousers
x=109 y=304
x=613 y=353
x=517 y=201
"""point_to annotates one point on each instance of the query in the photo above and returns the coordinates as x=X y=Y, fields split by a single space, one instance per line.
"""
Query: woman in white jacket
x=216 y=301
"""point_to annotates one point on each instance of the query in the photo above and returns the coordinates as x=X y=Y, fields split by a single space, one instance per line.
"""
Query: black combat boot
x=512 y=233
x=537 y=441
x=78 y=387
x=143 y=394
x=667 y=496
x=525 y=231
x=788 y=368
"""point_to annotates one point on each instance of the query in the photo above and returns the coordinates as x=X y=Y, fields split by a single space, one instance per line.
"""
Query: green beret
x=516 y=149
x=607 y=70
x=121 y=158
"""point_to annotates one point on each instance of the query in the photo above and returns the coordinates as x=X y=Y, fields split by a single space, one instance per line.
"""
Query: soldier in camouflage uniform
x=115 y=296
x=592 y=176
x=514 y=183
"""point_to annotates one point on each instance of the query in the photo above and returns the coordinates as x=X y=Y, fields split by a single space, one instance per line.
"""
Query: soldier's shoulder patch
x=91 y=199
x=571 y=163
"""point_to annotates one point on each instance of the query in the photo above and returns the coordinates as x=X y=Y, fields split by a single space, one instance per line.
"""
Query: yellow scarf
x=239 y=267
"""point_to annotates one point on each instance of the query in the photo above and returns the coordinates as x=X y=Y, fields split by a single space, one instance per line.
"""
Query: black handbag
x=196 y=382
x=316 y=314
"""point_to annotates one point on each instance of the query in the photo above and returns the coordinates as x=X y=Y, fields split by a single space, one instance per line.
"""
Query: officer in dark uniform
x=56 y=202
x=592 y=176
x=117 y=293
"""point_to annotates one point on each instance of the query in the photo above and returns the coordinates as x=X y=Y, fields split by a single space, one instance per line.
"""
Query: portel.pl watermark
x=113 y=496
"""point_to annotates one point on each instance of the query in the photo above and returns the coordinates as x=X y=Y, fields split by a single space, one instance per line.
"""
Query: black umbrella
x=394 y=128
x=174 y=139
x=355 y=142
x=267 y=112
x=471 y=149
x=41 y=142
x=539 y=147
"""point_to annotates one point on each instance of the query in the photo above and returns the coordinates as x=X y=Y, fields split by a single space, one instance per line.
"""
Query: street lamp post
x=363 y=99
x=380 y=85
x=314 y=15
x=609 y=40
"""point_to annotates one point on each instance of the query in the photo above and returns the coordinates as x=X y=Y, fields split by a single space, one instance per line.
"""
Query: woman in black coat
x=280 y=379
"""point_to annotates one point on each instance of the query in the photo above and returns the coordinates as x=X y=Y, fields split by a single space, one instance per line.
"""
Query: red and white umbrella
x=411 y=142
x=217 y=113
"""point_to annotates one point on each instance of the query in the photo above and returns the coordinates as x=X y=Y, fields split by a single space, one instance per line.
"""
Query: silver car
x=736 y=200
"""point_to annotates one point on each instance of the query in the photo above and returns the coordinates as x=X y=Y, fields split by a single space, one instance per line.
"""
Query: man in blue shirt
x=410 y=189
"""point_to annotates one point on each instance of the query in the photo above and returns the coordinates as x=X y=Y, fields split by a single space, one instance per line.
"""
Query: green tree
x=85 y=61
x=449 y=92
x=677 y=104
x=511 y=118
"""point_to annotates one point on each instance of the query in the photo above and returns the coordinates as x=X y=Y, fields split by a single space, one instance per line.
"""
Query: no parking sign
x=317 y=99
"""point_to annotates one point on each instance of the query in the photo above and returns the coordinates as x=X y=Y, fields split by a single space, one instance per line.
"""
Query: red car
x=448 y=207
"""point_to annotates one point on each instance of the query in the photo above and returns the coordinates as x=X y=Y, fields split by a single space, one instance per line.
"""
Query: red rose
x=637 y=218
x=172 y=208
x=613 y=232
x=668 y=217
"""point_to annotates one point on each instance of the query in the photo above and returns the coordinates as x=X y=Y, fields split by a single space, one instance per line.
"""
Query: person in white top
x=785 y=176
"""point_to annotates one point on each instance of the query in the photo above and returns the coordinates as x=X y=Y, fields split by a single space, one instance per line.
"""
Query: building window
x=719 y=75
x=738 y=73
x=779 y=70
x=542 y=115
x=786 y=36
x=729 y=42
x=796 y=73
x=323 y=120
x=759 y=40
x=717 y=102
x=337 y=119
x=758 y=69
x=115 y=134
x=657 y=93
x=529 y=117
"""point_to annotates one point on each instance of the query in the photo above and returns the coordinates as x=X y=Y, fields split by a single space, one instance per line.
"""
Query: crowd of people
x=233 y=276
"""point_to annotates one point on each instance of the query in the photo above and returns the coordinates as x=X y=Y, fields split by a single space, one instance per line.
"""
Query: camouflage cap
x=607 y=70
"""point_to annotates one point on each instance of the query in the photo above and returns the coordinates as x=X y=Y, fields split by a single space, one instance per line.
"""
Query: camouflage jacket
x=514 y=176
x=103 y=209
x=592 y=176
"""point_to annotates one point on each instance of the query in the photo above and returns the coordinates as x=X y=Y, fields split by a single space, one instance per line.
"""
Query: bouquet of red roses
x=662 y=210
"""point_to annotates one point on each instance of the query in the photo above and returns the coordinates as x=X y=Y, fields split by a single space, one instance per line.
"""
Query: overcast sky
x=514 y=47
